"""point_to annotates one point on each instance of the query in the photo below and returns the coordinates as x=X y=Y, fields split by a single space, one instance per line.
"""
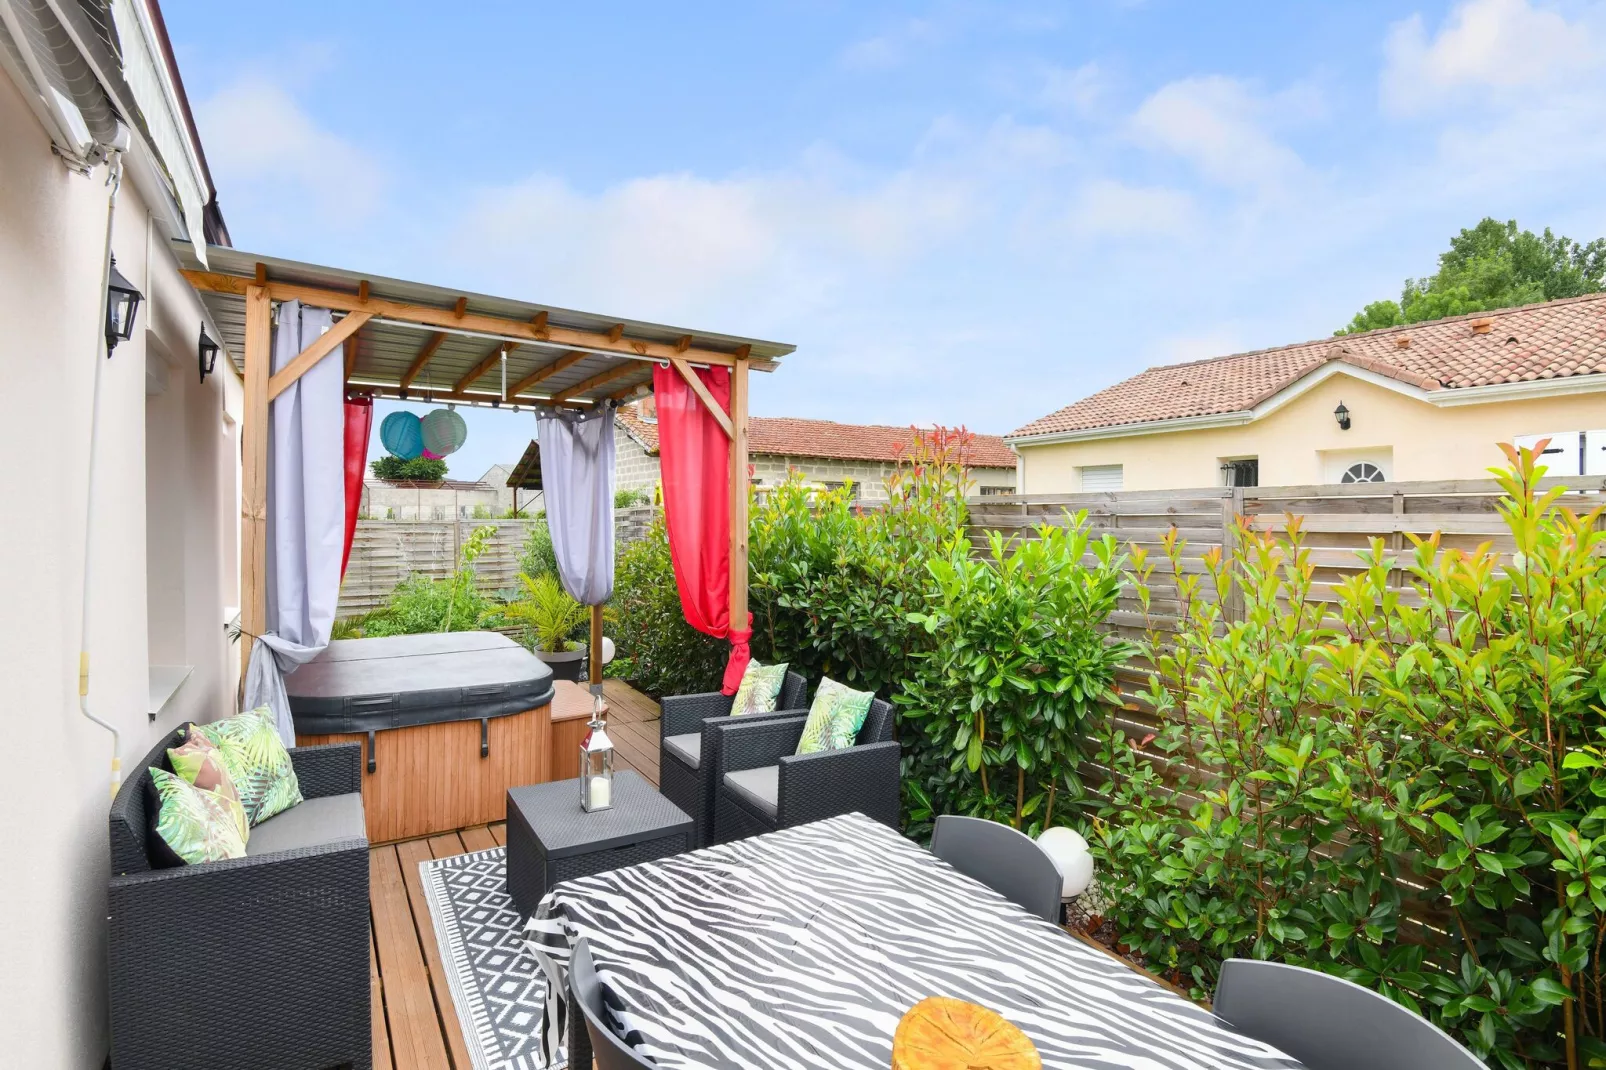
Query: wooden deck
x=415 y=1026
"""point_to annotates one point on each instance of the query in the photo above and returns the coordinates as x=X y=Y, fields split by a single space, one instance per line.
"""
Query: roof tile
x=788 y=436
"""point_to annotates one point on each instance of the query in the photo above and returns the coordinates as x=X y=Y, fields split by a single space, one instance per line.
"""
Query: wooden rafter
x=491 y=361
x=568 y=360
x=700 y=388
x=321 y=347
x=607 y=375
x=351 y=355
x=516 y=330
x=425 y=353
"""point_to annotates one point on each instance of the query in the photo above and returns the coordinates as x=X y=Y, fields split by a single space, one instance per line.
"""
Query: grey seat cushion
x=311 y=823
x=758 y=788
x=688 y=747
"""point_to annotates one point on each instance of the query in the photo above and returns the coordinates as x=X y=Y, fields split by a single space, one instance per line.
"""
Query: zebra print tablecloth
x=803 y=949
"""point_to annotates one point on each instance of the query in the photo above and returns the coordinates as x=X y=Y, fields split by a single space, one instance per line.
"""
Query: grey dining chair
x=609 y=1051
x=1328 y=1023
x=1005 y=859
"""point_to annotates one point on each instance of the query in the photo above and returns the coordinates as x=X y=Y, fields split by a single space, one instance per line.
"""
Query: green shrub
x=1002 y=698
x=419 y=469
x=1403 y=790
x=550 y=614
x=666 y=655
x=624 y=499
x=421 y=604
x=537 y=558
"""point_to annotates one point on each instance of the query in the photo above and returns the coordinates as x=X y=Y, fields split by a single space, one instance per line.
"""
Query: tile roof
x=790 y=437
x=1544 y=341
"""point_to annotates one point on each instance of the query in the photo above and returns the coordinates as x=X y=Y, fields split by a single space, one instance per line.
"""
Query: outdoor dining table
x=804 y=948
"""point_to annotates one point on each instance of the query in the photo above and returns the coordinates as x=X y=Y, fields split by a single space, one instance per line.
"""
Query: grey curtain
x=306 y=514
x=577 y=476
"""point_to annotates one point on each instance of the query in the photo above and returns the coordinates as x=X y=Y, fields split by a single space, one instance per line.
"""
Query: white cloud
x=1108 y=207
x=1222 y=128
x=1497 y=47
x=892 y=47
x=1073 y=89
x=275 y=156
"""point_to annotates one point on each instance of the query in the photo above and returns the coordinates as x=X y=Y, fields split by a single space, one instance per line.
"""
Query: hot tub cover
x=365 y=685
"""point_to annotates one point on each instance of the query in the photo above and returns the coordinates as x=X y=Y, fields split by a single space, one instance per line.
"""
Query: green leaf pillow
x=257 y=762
x=835 y=717
x=199 y=825
x=760 y=688
x=198 y=761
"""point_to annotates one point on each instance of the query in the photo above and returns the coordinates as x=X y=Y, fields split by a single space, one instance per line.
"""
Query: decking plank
x=376 y=991
x=478 y=838
x=410 y=854
x=446 y=845
x=414 y=1027
x=499 y=833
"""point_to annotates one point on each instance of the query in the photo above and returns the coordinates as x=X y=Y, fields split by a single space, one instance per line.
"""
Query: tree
x=419 y=469
x=1493 y=265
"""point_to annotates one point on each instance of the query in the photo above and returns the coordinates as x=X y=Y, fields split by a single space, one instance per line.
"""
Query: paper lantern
x=444 y=432
x=402 y=436
x=428 y=456
x=1069 y=852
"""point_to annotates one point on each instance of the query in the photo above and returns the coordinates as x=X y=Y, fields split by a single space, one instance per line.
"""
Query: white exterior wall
x=163 y=505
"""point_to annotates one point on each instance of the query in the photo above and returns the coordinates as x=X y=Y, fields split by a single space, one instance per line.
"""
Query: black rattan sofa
x=686 y=746
x=247 y=963
x=761 y=784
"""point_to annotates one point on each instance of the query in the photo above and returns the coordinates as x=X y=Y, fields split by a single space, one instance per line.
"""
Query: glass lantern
x=596 y=764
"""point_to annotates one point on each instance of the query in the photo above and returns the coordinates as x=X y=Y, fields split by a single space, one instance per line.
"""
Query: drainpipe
x=114 y=178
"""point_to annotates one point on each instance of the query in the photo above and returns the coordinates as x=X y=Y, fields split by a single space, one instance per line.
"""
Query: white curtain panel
x=306 y=514
x=577 y=476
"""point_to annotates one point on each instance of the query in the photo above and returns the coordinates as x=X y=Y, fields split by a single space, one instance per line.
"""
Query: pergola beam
x=514 y=330
x=700 y=388
x=425 y=352
x=607 y=375
x=568 y=360
x=321 y=347
x=483 y=366
x=739 y=497
x=254 y=470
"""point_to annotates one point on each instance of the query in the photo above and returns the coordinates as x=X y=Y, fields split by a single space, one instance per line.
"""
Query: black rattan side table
x=550 y=839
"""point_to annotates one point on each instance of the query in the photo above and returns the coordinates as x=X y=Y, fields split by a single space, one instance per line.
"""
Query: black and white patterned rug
x=498 y=989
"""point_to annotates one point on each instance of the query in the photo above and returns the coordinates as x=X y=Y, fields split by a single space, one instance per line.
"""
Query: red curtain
x=359 y=421
x=694 y=455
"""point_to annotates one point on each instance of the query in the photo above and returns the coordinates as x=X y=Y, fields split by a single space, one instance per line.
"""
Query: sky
x=963 y=213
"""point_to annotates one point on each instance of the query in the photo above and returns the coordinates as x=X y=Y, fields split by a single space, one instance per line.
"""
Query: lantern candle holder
x=596 y=763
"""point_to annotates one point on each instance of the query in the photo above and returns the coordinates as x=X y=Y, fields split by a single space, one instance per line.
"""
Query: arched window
x=1363 y=472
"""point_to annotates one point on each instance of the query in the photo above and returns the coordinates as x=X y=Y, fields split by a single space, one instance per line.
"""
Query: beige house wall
x=163 y=565
x=1293 y=443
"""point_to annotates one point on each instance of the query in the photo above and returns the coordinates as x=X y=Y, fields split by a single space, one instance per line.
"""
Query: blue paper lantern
x=402 y=435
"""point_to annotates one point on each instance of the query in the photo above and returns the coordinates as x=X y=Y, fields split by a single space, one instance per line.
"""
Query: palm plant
x=550 y=612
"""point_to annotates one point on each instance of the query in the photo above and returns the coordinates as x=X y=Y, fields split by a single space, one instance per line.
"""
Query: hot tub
x=448 y=722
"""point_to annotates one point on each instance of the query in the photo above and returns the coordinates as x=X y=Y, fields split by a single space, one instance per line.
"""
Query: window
x=993 y=491
x=1098 y=477
x=1363 y=472
x=1240 y=472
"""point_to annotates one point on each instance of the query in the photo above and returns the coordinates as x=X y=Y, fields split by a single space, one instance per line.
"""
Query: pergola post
x=739 y=495
x=254 y=469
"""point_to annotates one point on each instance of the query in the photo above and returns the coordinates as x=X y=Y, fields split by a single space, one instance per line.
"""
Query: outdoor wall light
x=1341 y=414
x=122 y=305
x=206 y=349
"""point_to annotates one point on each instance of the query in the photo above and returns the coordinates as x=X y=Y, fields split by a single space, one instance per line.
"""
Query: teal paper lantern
x=402 y=435
x=444 y=432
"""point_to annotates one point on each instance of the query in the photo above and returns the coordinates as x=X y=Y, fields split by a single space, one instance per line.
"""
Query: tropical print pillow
x=198 y=761
x=760 y=688
x=257 y=762
x=198 y=825
x=837 y=714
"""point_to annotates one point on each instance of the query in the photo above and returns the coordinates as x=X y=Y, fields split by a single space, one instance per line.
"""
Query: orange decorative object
x=939 y=1033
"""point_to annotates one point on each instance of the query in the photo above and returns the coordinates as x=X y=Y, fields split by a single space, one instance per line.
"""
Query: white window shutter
x=1561 y=456
x=1102 y=477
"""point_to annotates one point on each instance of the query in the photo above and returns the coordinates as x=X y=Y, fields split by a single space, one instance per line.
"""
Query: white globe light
x=607 y=650
x=1070 y=854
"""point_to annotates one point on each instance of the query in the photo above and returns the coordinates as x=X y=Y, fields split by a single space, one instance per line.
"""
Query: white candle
x=599 y=793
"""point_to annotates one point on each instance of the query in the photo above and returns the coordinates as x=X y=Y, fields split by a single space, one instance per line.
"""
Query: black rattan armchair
x=247 y=963
x=761 y=784
x=686 y=745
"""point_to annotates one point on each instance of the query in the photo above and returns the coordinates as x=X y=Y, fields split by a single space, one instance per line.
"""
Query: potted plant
x=552 y=615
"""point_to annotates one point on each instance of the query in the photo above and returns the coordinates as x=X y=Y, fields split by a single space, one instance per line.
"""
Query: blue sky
x=966 y=213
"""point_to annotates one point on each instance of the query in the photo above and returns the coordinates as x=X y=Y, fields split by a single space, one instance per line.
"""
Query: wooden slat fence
x=386 y=552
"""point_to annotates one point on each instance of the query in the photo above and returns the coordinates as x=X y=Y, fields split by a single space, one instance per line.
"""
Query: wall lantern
x=1341 y=414
x=207 y=351
x=122 y=305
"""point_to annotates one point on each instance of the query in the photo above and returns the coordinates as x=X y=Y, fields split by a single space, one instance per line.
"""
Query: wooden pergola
x=414 y=341
x=526 y=475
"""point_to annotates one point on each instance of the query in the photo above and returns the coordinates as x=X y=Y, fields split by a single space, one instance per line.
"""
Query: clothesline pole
x=595 y=656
